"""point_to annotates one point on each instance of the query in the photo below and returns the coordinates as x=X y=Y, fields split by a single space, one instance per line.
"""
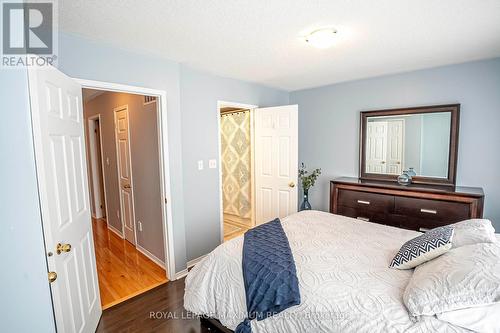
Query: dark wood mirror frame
x=453 y=151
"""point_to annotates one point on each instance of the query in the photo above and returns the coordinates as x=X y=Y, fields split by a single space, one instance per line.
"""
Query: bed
x=344 y=280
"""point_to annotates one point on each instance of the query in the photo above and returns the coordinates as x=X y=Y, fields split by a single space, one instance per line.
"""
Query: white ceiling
x=259 y=40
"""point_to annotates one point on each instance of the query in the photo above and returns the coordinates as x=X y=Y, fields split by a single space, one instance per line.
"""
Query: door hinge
x=165 y=201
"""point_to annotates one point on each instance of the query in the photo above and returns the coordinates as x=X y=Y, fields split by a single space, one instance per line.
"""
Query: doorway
x=237 y=172
x=60 y=149
x=258 y=165
x=128 y=239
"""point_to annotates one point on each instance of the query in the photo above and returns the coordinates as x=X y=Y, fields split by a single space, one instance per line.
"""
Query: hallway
x=123 y=271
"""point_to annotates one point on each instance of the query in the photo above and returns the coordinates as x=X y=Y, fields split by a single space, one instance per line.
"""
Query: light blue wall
x=84 y=59
x=413 y=133
x=435 y=144
x=25 y=304
x=329 y=122
x=199 y=95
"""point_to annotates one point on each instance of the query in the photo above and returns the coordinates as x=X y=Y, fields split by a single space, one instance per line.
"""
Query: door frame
x=161 y=117
x=251 y=107
x=115 y=110
x=92 y=156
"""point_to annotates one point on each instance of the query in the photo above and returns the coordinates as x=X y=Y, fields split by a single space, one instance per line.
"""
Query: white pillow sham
x=473 y=231
x=483 y=319
x=464 y=277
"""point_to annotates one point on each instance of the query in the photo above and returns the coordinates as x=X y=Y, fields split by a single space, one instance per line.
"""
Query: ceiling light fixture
x=322 y=38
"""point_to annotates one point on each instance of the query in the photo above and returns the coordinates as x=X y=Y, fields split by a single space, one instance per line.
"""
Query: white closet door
x=395 y=147
x=57 y=117
x=125 y=173
x=376 y=147
x=276 y=162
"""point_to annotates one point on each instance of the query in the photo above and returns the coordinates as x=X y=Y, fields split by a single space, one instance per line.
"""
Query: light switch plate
x=200 y=165
x=139 y=225
x=212 y=164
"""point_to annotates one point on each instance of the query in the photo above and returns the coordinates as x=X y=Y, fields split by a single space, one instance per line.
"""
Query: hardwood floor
x=158 y=310
x=123 y=271
x=234 y=226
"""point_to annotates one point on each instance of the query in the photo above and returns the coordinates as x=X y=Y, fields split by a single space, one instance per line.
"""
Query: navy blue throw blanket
x=269 y=273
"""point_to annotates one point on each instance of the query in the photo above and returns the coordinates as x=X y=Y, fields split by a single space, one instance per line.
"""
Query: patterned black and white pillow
x=423 y=248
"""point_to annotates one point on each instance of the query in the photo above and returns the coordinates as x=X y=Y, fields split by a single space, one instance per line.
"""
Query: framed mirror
x=422 y=138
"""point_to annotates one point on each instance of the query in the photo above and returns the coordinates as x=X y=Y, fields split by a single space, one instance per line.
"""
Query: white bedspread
x=344 y=280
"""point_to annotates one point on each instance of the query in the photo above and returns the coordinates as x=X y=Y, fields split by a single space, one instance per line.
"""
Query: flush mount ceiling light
x=322 y=38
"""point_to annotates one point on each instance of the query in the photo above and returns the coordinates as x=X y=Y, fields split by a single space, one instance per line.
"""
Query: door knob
x=52 y=276
x=126 y=186
x=398 y=162
x=383 y=162
x=63 y=248
x=291 y=184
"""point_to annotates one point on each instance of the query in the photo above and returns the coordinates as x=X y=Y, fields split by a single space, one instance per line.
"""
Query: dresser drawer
x=420 y=224
x=367 y=202
x=432 y=210
x=363 y=214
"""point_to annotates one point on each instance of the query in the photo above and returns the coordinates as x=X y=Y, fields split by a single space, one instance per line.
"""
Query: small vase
x=404 y=178
x=305 y=204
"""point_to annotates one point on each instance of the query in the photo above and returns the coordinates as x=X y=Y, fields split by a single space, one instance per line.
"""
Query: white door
x=395 y=151
x=57 y=117
x=125 y=173
x=376 y=147
x=276 y=162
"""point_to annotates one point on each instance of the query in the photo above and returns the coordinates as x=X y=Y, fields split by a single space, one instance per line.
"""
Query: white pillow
x=464 y=277
x=483 y=319
x=423 y=248
x=473 y=231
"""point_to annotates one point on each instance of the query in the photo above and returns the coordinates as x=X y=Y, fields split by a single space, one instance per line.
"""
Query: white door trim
x=117 y=150
x=164 y=165
x=221 y=104
x=92 y=155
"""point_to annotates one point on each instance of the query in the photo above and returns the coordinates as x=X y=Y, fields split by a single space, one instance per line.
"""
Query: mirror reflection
x=420 y=141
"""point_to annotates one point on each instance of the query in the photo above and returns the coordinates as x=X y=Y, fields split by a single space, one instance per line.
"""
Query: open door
x=276 y=162
x=58 y=131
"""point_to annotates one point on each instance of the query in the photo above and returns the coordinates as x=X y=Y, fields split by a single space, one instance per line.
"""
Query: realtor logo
x=28 y=29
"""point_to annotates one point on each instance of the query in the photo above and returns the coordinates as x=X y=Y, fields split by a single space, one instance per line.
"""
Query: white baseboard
x=95 y=216
x=116 y=231
x=181 y=274
x=193 y=262
x=150 y=256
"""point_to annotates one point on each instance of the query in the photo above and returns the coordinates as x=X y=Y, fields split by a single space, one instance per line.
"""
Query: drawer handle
x=363 y=202
x=428 y=211
x=363 y=219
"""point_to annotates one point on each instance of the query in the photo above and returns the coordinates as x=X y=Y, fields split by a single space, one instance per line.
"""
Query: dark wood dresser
x=416 y=207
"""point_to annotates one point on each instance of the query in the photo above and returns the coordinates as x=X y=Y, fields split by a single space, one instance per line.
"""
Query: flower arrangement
x=308 y=178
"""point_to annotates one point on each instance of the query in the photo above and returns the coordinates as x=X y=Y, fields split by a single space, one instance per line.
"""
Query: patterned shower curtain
x=236 y=163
